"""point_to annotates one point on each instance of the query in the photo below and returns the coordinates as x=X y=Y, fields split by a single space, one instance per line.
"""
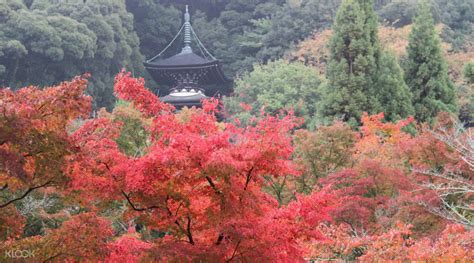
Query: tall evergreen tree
x=389 y=94
x=360 y=76
x=351 y=67
x=371 y=28
x=371 y=24
x=392 y=94
x=426 y=72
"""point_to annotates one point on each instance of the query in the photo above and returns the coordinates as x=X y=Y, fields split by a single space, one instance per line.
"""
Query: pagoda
x=187 y=74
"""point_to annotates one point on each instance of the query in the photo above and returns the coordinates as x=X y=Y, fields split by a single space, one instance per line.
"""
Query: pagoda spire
x=187 y=75
x=187 y=33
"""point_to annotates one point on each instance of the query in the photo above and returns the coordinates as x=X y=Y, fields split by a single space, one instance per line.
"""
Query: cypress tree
x=352 y=66
x=426 y=71
x=361 y=77
x=390 y=94
x=371 y=28
x=371 y=25
x=393 y=95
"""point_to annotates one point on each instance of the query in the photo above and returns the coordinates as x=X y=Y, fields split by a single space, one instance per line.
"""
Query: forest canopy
x=43 y=42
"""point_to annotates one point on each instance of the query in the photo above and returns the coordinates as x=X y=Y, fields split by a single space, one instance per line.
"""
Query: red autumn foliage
x=127 y=248
x=373 y=184
x=203 y=190
x=34 y=143
x=454 y=244
x=84 y=236
x=201 y=181
x=131 y=89
x=33 y=136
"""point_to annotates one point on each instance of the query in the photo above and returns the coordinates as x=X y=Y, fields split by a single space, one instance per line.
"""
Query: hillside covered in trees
x=44 y=42
x=347 y=137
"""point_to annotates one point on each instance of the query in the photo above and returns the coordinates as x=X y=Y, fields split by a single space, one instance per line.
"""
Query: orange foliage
x=83 y=236
x=315 y=52
x=33 y=135
x=11 y=223
x=453 y=245
x=381 y=141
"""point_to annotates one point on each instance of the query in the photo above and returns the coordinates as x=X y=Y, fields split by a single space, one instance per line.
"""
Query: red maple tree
x=200 y=181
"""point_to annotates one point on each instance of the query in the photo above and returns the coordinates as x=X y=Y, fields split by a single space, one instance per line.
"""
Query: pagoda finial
x=187 y=33
x=186 y=15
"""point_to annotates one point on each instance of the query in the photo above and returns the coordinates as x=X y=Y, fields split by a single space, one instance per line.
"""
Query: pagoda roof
x=186 y=60
x=163 y=70
x=213 y=75
x=189 y=69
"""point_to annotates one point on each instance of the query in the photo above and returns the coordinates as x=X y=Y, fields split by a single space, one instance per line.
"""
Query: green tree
x=399 y=13
x=352 y=66
x=458 y=15
x=361 y=77
x=322 y=152
x=390 y=93
x=393 y=95
x=155 y=31
x=466 y=100
x=236 y=35
x=426 y=73
x=46 y=41
x=134 y=137
x=275 y=86
x=469 y=72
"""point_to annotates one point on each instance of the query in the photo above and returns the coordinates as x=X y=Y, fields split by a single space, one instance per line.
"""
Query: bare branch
x=235 y=251
x=214 y=187
x=24 y=194
x=453 y=188
x=136 y=208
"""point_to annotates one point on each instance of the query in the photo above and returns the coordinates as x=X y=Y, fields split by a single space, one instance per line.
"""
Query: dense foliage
x=199 y=189
x=274 y=87
x=241 y=33
x=426 y=71
x=75 y=37
x=343 y=141
x=45 y=42
x=361 y=77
